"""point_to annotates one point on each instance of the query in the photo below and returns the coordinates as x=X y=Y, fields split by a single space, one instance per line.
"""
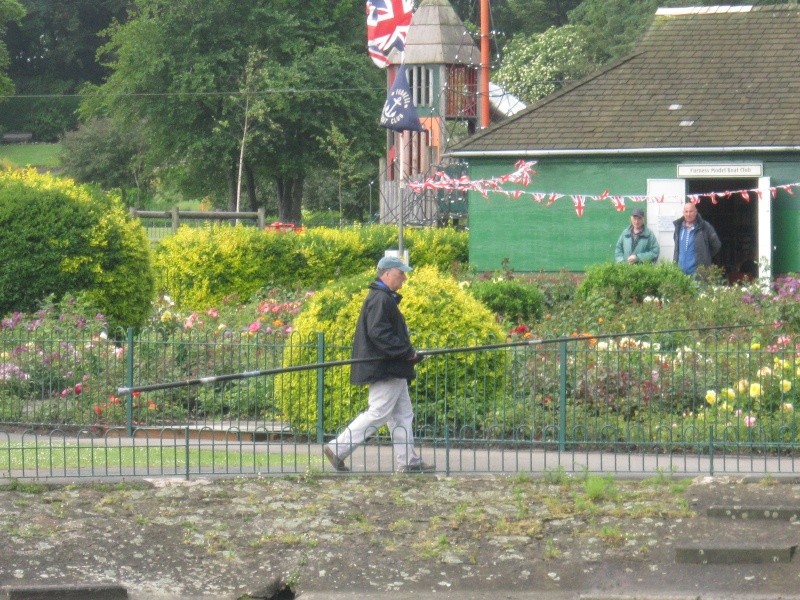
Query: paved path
x=167 y=457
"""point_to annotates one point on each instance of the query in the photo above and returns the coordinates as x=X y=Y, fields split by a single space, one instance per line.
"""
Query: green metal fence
x=217 y=403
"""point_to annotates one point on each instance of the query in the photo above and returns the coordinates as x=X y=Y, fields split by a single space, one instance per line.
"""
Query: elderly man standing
x=637 y=244
x=382 y=334
x=696 y=241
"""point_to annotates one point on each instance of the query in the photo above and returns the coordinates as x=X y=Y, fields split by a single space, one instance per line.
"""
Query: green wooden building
x=706 y=109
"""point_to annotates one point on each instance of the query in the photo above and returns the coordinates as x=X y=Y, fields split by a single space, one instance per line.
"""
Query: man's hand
x=416 y=357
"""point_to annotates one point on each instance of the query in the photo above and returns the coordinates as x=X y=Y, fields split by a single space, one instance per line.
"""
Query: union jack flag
x=387 y=26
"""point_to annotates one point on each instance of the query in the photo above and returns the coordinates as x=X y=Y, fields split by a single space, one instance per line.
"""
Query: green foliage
x=10 y=11
x=199 y=266
x=443 y=247
x=624 y=282
x=512 y=300
x=106 y=154
x=438 y=313
x=62 y=238
x=331 y=253
x=621 y=22
x=190 y=51
x=536 y=66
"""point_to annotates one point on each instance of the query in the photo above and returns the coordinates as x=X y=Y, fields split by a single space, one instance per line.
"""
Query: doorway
x=735 y=218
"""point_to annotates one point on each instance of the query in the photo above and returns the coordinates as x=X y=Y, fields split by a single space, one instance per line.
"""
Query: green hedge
x=198 y=267
x=57 y=237
x=623 y=282
x=439 y=314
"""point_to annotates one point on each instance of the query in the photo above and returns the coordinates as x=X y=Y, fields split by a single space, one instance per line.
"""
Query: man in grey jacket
x=637 y=244
x=382 y=334
x=696 y=241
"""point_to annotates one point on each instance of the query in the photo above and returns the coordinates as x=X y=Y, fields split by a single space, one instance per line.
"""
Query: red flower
x=98 y=410
x=78 y=388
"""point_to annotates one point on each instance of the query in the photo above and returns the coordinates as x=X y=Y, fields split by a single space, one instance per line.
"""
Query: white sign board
x=703 y=170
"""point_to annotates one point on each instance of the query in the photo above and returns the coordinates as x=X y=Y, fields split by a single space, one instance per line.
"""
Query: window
x=420 y=80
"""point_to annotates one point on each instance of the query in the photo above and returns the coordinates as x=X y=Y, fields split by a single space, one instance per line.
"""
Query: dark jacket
x=706 y=241
x=381 y=332
x=646 y=250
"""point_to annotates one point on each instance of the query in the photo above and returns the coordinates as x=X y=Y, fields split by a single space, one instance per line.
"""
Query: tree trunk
x=232 y=180
x=290 y=199
x=250 y=181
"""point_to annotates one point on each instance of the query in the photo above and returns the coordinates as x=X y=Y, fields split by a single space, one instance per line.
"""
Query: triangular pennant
x=580 y=204
x=398 y=112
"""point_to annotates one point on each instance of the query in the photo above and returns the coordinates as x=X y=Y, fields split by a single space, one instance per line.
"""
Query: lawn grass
x=56 y=457
x=34 y=155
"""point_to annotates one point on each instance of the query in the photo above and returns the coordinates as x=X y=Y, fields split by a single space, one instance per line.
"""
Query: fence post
x=262 y=218
x=320 y=388
x=129 y=380
x=711 y=450
x=188 y=453
x=562 y=398
x=176 y=219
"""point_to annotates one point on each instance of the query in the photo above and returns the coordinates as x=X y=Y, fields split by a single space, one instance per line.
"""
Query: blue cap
x=392 y=262
x=637 y=212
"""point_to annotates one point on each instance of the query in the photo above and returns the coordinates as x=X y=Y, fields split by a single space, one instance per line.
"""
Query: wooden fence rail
x=176 y=215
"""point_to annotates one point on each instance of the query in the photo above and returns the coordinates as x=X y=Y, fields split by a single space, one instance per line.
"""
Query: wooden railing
x=176 y=215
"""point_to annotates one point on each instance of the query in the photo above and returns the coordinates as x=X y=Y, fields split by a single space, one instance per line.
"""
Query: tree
x=110 y=156
x=10 y=11
x=612 y=27
x=537 y=65
x=179 y=67
x=52 y=54
x=347 y=161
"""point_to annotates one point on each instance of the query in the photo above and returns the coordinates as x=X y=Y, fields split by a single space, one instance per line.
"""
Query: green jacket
x=646 y=250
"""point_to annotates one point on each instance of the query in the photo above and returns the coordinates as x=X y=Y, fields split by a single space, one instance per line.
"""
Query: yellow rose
x=786 y=385
x=711 y=396
x=755 y=346
x=755 y=390
x=781 y=363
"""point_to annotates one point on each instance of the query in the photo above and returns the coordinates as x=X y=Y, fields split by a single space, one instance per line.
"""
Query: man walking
x=382 y=334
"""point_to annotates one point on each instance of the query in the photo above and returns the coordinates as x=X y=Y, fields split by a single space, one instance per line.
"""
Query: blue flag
x=399 y=113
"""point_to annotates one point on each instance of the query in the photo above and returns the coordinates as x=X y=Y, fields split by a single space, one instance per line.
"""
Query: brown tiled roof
x=709 y=79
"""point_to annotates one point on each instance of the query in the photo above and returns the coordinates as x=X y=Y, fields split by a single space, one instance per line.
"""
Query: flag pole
x=485 y=112
x=401 y=190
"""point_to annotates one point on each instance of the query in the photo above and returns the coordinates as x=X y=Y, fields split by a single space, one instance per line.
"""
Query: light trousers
x=389 y=404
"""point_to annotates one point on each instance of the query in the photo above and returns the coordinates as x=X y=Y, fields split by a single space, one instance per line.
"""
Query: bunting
x=523 y=171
